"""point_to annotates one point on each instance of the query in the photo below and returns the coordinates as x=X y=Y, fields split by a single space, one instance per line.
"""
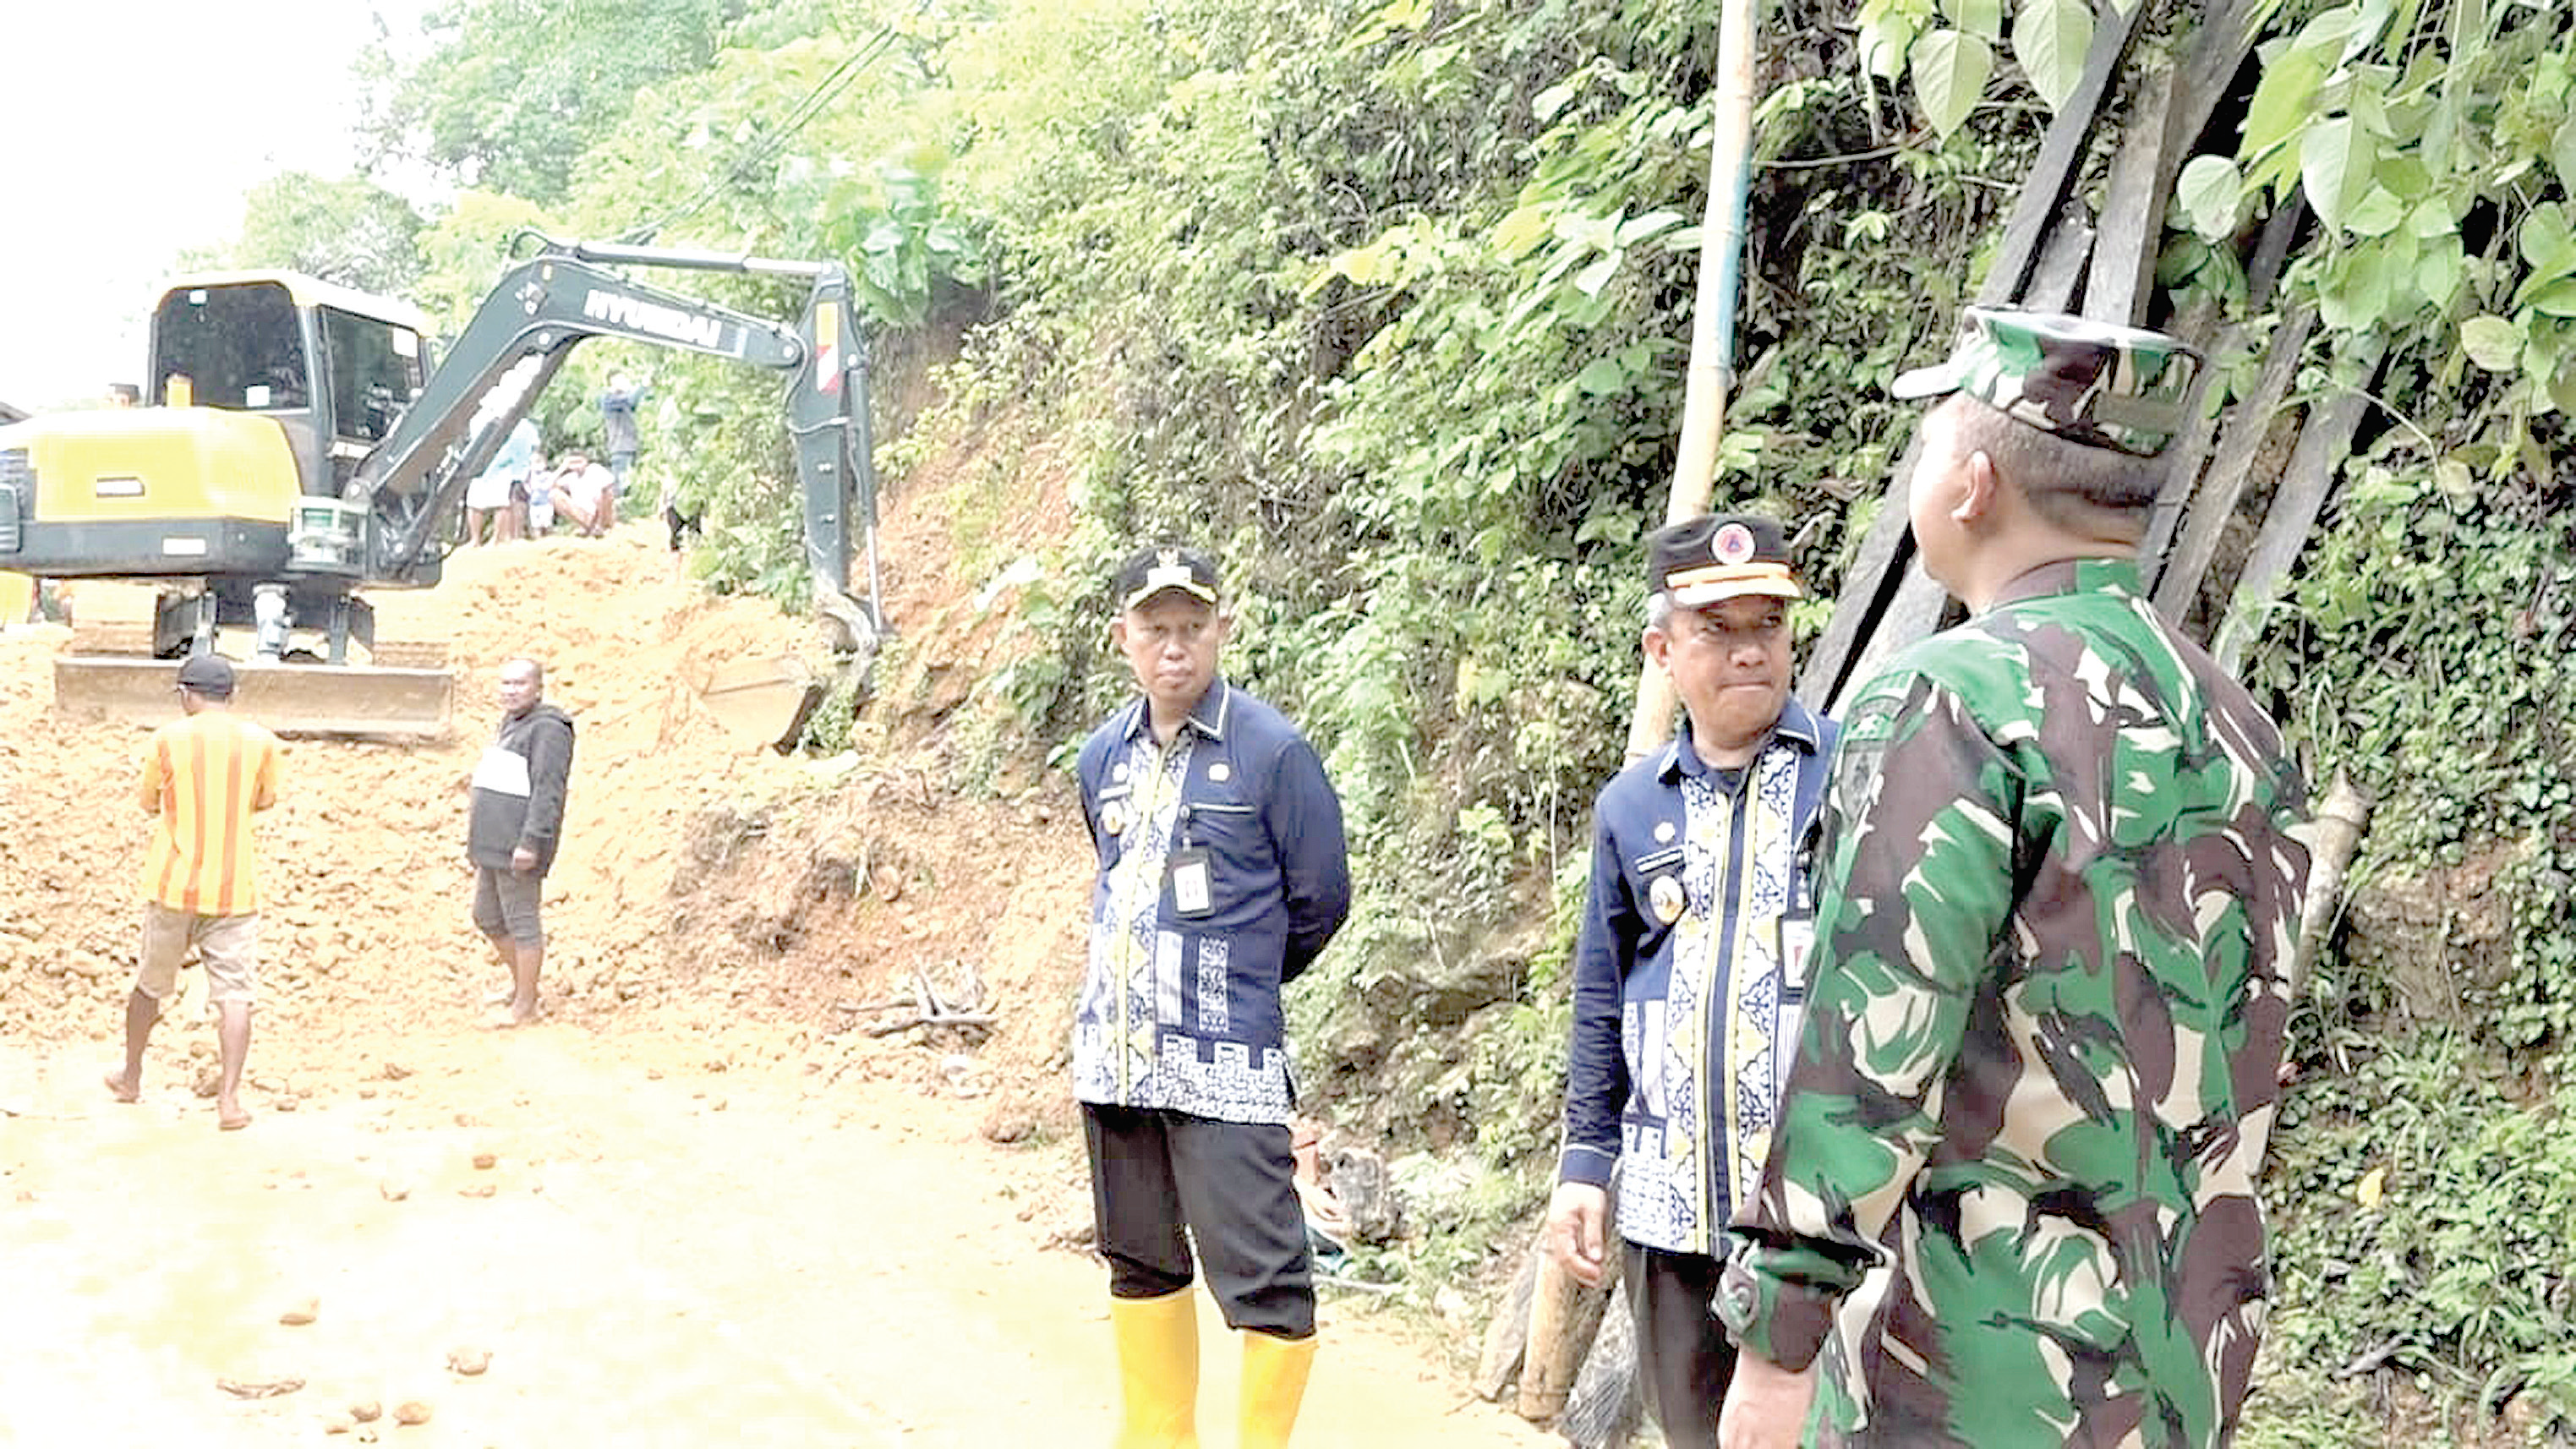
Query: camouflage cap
x=2089 y=382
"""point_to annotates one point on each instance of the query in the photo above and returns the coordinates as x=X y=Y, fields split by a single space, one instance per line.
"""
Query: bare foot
x=122 y=1089
x=231 y=1119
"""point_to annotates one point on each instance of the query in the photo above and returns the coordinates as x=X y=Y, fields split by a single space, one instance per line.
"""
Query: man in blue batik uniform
x=1222 y=876
x=1687 y=971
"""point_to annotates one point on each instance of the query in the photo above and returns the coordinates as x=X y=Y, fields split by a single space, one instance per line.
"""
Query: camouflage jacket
x=2056 y=902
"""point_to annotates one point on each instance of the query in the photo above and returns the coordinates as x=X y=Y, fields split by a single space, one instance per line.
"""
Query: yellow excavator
x=297 y=447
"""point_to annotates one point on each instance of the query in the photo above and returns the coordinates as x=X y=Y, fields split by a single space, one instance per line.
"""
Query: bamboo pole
x=2332 y=838
x=1712 y=355
x=1558 y=1305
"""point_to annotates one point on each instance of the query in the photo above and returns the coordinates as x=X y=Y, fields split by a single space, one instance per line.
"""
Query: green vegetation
x=350 y=231
x=1385 y=301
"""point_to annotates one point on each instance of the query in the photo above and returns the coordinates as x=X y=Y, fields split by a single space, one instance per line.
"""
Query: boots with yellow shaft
x=1158 y=1370
x=1274 y=1384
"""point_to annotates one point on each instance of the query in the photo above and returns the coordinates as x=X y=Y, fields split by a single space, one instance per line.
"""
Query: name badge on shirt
x=1190 y=893
x=1668 y=898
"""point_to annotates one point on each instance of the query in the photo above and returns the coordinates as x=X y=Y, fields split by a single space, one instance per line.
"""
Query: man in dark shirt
x=617 y=425
x=514 y=822
x=1222 y=876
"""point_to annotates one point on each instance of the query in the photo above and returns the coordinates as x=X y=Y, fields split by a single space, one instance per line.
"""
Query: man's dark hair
x=2063 y=479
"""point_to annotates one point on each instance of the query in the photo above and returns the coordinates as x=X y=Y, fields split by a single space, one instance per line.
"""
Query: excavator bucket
x=299 y=699
x=763 y=701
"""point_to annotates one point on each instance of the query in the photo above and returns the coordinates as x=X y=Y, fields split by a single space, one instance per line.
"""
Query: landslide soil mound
x=703 y=880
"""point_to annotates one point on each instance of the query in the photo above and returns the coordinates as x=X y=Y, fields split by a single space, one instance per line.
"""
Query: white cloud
x=135 y=129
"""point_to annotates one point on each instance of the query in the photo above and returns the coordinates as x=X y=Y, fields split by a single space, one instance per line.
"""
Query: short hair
x=2062 y=478
x=534 y=668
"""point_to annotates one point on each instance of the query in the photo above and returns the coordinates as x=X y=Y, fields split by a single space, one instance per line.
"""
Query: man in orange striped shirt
x=203 y=777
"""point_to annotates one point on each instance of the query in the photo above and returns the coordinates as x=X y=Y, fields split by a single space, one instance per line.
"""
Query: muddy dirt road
x=659 y=1255
x=715 y=1213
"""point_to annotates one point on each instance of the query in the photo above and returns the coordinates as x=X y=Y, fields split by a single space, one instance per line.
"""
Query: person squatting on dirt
x=584 y=493
x=2057 y=896
x=204 y=776
x=1690 y=956
x=514 y=821
x=1222 y=876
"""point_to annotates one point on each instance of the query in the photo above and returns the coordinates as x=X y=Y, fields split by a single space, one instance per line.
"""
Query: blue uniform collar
x=1207 y=716
x=1796 y=727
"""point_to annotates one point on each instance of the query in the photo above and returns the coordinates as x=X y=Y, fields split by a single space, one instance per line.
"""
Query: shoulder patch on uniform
x=1867 y=731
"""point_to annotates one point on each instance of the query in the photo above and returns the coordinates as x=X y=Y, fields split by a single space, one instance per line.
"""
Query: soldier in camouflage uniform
x=2056 y=901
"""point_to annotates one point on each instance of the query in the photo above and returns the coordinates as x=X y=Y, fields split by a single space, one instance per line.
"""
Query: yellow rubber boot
x=1158 y=1370
x=1274 y=1384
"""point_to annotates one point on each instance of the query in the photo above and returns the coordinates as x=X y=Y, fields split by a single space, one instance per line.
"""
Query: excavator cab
x=264 y=391
x=333 y=367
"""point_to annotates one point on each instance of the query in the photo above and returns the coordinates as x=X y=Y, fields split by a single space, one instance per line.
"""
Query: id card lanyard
x=1192 y=893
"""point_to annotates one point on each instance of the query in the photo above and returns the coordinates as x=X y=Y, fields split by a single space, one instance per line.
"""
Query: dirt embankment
x=700 y=874
x=361 y=862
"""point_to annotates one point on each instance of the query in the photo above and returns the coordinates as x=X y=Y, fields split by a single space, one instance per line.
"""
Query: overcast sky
x=130 y=130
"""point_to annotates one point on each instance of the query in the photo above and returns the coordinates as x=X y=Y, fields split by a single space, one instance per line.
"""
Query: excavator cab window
x=238 y=346
x=374 y=371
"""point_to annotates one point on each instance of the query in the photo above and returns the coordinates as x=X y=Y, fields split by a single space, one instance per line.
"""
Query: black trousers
x=1162 y=1180
x=1684 y=1361
x=682 y=525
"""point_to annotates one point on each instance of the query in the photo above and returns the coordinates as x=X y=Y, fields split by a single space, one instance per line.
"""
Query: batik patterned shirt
x=2057 y=893
x=1223 y=873
x=1687 y=978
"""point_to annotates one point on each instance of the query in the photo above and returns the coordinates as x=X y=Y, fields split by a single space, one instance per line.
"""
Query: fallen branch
x=930 y=1010
x=2332 y=838
x=2371 y=1358
x=952 y=1018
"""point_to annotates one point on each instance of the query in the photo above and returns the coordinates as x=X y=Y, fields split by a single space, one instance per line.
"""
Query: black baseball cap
x=208 y=674
x=1157 y=567
x=1715 y=556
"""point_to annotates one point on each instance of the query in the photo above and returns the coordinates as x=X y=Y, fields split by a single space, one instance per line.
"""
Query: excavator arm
x=409 y=488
